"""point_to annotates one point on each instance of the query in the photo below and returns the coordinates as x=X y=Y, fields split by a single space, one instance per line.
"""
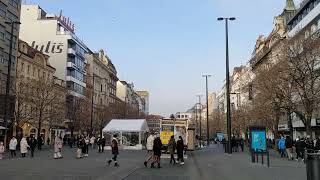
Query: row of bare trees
x=286 y=85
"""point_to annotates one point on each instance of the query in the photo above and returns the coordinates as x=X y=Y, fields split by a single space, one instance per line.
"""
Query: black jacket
x=180 y=146
x=289 y=143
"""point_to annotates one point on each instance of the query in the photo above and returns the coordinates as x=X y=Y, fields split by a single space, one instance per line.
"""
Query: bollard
x=313 y=166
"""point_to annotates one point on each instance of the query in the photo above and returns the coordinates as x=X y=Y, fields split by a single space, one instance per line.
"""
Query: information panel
x=258 y=140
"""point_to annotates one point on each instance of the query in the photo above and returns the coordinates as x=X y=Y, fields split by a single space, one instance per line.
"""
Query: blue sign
x=258 y=140
x=220 y=136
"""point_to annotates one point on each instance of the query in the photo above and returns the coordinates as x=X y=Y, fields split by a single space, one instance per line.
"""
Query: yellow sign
x=165 y=136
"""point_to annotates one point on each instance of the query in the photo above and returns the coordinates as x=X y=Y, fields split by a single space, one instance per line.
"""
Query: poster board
x=258 y=139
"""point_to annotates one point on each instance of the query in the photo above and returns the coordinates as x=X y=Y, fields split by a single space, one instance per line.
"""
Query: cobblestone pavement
x=209 y=163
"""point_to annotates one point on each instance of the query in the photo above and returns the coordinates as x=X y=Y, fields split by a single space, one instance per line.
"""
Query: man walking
x=33 y=143
x=40 y=141
x=289 y=144
x=180 y=148
x=114 y=151
x=172 y=148
x=149 y=146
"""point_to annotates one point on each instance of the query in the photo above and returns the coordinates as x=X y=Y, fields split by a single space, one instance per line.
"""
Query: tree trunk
x=290 y=127
x=308 y=125
x=39 y=125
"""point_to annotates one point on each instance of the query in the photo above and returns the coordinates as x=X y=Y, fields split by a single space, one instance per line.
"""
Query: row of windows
x=304 y=13
x=14 y=3
x=35 y=72
x=76 y=74
x=75 y=87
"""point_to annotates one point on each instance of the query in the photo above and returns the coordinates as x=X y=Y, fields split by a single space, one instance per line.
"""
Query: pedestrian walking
x=102 y=143
x=98 y=141
x=87 y=142
x=40 y=143
x=149 y=147
x=13 y=146
x=92 y=142
x=80 y=145
x=172 y=148
x=318 y=144
x=233 y=143
x=84 y=146
x=180 y=148
x=289 y=144
x=114 y=151
x=24 y=147
x=57 y=148
x=157 y=147
x=300 y=147
x=33 y=144
x=282 y=146
x=241 y=143
x=1 y=150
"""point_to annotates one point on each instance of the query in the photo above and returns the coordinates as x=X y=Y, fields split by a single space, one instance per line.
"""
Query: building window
x=3 y=9
x=313 y=28
x=34 y=72
x=2 y=32
x=11 y=17
x=28 y=70
x=14 y=3
x=22 y=66
x=101 y=88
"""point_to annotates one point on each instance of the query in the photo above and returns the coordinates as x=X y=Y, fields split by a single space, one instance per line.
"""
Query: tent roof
x=133 y=125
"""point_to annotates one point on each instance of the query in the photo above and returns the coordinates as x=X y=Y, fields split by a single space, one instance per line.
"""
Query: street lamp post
x=208 y=136
x=6 y=98
x=200 y=108
x=228 y=80
x=92 y=105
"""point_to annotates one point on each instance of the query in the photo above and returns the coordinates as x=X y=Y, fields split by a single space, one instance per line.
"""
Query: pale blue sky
x=164 y=46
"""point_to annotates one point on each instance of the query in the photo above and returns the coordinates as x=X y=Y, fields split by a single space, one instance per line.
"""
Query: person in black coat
x=300 y=146
x=318 y=144
x=241 y=143
x=40 y=142
x=180 y=148
x=32 y=143
x=114 y=150
x=157 y=147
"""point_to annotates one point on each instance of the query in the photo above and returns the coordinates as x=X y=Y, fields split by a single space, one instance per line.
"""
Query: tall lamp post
x=208 y=136
x=228 y=80
x=200 y=108
x=6 y=98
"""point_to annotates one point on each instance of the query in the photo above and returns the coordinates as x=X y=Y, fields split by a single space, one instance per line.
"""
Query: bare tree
x=303 y=61
x=43 y=98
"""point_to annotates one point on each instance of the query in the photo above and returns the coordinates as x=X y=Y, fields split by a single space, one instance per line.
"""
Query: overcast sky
x=164 y=46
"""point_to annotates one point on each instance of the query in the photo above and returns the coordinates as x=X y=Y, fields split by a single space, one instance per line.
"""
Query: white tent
x=130 y=131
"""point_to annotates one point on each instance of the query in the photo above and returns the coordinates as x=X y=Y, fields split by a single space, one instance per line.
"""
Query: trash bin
x=313 y=165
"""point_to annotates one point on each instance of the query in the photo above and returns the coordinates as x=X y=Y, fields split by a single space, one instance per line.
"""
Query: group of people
x=286 y=146
x=154 y=149
x=29 y=144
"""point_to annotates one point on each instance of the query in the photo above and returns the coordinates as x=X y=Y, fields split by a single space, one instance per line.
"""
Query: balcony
x=71 y=51
x=71 y=65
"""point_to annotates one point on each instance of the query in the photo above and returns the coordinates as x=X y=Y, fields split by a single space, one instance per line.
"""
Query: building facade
x=33 y=66
x=9 y=12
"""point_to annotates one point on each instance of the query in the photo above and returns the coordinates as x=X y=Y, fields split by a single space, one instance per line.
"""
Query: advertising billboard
x=258 y=139
x=166 y=132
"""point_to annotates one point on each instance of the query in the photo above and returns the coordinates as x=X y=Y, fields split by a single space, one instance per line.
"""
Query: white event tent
x=130 y=132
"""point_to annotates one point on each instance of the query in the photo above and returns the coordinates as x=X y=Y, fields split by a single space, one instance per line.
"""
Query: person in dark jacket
x=102 y=144
x=318 y=144
x=289 y=144
x=32 y=143
x=300 y=146
x=233 y=143
x=172 y=148
x=157 y=147
x=180 y=148
x=241 y=143
x=40 y=142
x=114 y=150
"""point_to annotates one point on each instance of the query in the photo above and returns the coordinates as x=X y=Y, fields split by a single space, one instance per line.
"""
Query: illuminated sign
x=66 y=22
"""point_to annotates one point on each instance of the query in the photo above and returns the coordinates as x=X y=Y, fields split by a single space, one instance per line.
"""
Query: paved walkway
x=209 y=163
